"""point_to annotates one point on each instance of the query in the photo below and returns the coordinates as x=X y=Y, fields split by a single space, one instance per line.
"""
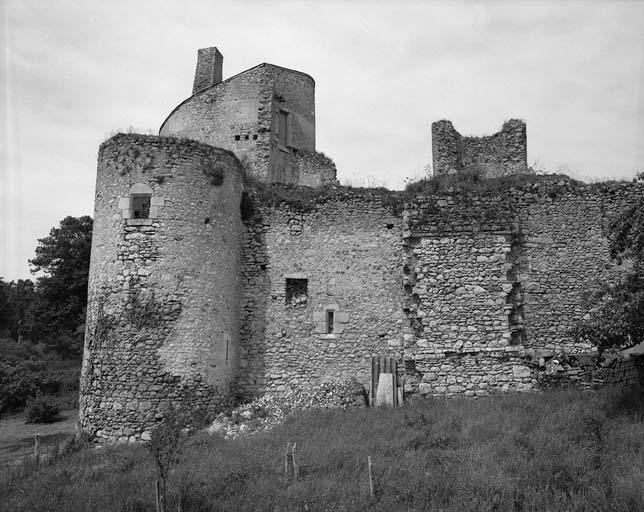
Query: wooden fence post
x=286 y=457
x=375 y=377
x=296 y=467
x=37 y=447
x=394 y=372
x=370 y=477
x=158 y=495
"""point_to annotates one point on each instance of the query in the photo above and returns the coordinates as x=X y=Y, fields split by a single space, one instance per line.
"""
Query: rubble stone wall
x=348 y=249
x=501 y=276
x=315 y=169
x=239 y=114
x=162 y=316
x=235 y=115
x=502 y=153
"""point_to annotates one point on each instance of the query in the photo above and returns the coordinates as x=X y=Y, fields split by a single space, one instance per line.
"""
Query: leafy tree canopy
x=616 y=316
x=63 y=258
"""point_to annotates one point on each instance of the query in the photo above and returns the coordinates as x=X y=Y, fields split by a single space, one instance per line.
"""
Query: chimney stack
x=209 y=66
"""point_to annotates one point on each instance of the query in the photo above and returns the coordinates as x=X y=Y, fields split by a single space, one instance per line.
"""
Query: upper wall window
x=140 y=201
x=141 y=206
x=281 y=127
x=296 y=291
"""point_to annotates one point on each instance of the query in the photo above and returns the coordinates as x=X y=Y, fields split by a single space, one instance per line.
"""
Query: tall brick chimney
x=208 y=72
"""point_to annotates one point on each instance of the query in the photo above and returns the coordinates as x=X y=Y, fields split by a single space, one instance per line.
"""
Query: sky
x=74 y=73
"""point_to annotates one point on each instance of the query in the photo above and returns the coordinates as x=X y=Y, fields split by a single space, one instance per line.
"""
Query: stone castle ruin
x=200 y=285
x=501 y=154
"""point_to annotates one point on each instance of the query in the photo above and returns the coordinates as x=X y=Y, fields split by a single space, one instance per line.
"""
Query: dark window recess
x=329 y=322
x=141 y=207
x=390 y=225
x=296 y=291
x=246 y=137
x=206 y=220
x=237 y=137
x=282 y=128
x=254 y=136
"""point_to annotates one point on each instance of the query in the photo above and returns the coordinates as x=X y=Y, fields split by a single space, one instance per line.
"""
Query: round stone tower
x=162 y=314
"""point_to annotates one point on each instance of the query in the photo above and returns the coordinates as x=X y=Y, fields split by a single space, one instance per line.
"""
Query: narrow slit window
x=296 y=292
x=282 y=128
x=141 y=206
x=329 y=321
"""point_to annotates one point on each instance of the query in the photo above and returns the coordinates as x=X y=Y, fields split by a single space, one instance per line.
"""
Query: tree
x=165 y=445
x=21 y=304
x=63 y=257
x=616 y=316
x=5 y=311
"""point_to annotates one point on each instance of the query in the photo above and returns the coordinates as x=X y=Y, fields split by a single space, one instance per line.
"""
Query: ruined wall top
x=502 y=153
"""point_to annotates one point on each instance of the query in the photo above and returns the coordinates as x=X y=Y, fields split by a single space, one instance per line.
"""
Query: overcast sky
x=75 y=72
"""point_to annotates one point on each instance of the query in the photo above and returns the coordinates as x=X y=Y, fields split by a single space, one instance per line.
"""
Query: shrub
x=19 y=380
x=42 y=409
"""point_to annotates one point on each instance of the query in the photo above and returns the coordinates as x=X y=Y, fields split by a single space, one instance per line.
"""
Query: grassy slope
x=16 y=437
x=551 y=451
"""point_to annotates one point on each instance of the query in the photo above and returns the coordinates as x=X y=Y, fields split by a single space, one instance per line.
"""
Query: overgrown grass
x=551 y=451
x=475 y=182
x=305 y=199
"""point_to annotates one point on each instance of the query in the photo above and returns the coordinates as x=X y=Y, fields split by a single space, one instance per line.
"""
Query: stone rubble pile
x=266 y=412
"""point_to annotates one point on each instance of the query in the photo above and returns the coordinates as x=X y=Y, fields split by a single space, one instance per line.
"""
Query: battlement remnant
x=500 y=154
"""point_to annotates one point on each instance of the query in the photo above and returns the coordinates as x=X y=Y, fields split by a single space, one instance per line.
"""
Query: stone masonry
x=162 y=315
x=206 y=280
x=500 y=154
x=265 y=115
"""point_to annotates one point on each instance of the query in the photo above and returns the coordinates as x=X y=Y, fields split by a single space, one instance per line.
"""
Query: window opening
x=329 y=322
x=237 y=137
x=246 y=137
x=282 y=128
x=141 y=206
x=296 y=292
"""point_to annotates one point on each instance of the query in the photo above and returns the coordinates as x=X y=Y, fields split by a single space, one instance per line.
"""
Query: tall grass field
x=559 y=451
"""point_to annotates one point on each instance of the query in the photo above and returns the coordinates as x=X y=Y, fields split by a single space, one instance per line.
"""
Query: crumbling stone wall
x=315 y=169
x=348 y=248
x=162 y=316
x=502 y=153
x=462 y=298
x=495 y=281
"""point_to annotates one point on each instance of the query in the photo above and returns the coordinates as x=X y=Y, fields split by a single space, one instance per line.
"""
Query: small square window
x=296 y=292
x=141 y=207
